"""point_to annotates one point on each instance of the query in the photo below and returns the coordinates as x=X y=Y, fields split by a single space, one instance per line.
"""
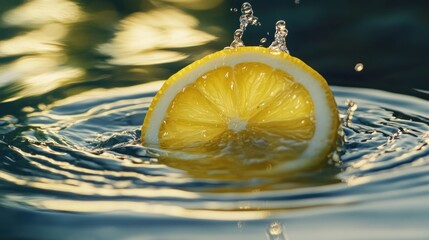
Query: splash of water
x=359 y=67
x=246 y=18
x=279 y=43
x=352 y=106
x=275 y=231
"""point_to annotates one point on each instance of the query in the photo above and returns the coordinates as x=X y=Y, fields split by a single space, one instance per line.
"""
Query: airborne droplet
x=359 y=67
x=279 y=43
x=246 y=18
x=275 y=231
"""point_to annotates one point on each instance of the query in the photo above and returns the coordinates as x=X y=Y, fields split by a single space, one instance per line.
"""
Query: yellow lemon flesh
x=246 y=109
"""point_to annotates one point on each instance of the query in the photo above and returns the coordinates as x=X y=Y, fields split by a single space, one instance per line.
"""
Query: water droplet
x=233 y=10
x=238 y=33
x=263 y=40
x=352 y=106
x=246 y=18
x=359 y=67
x=275 y=231
x=246 y=8
x=238 y=42
x=279 y=43
x=240 y=225
x=297 y=1
x=255 y=22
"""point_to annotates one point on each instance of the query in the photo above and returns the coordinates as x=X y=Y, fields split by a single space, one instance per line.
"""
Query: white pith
x=322 y=106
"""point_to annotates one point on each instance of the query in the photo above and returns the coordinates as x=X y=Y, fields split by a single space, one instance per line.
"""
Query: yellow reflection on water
x=26 y=67
x=38 y=41
x=49 y=81
x=146 y=38
x=352 y=181
x=43 y=65
x=37 y=75
x=39 y=12
x=81 y=188
x=153 y=86
x=146 y=208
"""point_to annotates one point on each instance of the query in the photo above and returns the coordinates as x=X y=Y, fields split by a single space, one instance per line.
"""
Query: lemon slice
x=248 y=106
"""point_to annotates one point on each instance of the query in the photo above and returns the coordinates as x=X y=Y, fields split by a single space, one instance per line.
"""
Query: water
x=71 y=108
x=246 y=18
x=279 y=43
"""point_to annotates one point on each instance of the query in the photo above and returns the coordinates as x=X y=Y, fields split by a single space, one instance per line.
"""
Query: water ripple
x=83 y=154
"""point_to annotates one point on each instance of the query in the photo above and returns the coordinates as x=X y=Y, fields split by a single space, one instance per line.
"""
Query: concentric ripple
x=83 y=154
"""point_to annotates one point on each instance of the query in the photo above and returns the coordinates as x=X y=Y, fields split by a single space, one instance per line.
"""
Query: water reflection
x=40 y=64
x=147 y=38
x=42 y=40
x=47 y=45
x=37 y=75
x=39 y=12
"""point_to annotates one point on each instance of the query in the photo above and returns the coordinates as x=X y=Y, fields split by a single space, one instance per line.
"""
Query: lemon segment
x=246 y=103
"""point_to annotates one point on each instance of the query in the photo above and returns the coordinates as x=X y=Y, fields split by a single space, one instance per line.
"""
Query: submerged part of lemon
x=247 y=107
